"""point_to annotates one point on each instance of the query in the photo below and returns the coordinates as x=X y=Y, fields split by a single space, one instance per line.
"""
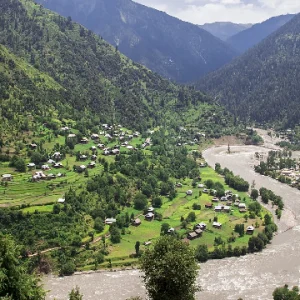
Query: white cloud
x=238 y=11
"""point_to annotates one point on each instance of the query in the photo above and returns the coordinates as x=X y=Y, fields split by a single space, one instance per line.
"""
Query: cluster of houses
x=199 y=228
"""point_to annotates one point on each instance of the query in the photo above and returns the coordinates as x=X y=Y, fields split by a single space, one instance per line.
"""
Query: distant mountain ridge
x=250 y=37
x=175 y=49
x=262 y=85
x=224 y=30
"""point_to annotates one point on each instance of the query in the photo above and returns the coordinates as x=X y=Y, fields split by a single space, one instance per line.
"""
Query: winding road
x=251 y=277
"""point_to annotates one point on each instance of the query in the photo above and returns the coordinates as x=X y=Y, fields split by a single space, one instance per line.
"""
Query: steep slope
x=99 y=83
x=263 y=84
x=175 y=49
x=224 y=30
x=246 y=39
x=26 y=94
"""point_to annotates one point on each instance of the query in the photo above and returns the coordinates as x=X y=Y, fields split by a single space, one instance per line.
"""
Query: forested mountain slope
x=263 y=84
x=26 y=93
x=224 y=30
x=250 y=37
x=175 y=49
x=99 y=84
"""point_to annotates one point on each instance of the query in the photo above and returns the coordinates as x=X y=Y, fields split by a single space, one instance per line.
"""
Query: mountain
x=175 y=49
x=246 y=39
x=26 y=93
x=224 y=30
x=263 y=84
x=94 y=82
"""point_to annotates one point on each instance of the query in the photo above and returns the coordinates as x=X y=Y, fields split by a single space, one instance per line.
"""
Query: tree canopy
x=170 y=270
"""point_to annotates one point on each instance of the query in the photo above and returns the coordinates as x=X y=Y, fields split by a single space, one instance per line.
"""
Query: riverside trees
x=170 y=270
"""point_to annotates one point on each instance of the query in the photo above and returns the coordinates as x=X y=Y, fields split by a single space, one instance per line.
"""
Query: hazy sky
x=238 y=11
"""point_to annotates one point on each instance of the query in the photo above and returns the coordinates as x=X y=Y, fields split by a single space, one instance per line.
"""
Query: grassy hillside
x=262 y=85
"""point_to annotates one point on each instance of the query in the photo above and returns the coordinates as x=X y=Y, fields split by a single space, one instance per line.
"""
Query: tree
x=170 y=270
x=201 y=253
x=283 y=293
x=15 y=283
x=254 y=194
x=164 y=228
x=137 y=248
x=75 y=294
x=140 y=201
x=98 y=224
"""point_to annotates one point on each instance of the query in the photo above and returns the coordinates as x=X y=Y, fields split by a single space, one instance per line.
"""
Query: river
x=251 y=277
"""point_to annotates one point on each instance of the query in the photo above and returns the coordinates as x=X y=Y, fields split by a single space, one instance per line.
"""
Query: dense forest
x=92 y=80
x=175 y=49
x=248 y=38
x=262 y=85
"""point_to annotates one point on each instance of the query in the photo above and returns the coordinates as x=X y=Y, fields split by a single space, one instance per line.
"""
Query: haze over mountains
x=224 y=30
x=175 y=49
x=244 y=40
x=263 y=84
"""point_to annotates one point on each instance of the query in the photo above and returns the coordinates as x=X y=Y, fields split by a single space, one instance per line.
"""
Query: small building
x=84 y=140
x=192 y=235
x=7 y=177
x=45 y=167
x=198 y=231
x=57 y=166
x=215 y=199
x=95 y=136
x=92 y=165
x=218 y=208
x=106 y=152
x=208 y=205
x=178 y=184
x=100 y=146
x=147 y=243
x=115 y=151
x=149 y=216
x=250 y=230
x=201 y=226
x=242 y=206
x=93 y=148
x=189 y=192
x=217 y=225
x=31 y=165
x=56 y=155
x=33 y=146
x=110 y=221
x=200 y=185
x=82 y=157
x=224 y=198
x=171 y=230
x=61 y=200
x=205 y=191
x=136 y=222
x=94 y=157
x=150 y=209
x=71 y=136
x=226 y=209
x=51 y=176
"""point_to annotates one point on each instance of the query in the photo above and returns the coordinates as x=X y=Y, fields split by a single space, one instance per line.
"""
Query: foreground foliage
x=170 y=270
x=15 y=282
